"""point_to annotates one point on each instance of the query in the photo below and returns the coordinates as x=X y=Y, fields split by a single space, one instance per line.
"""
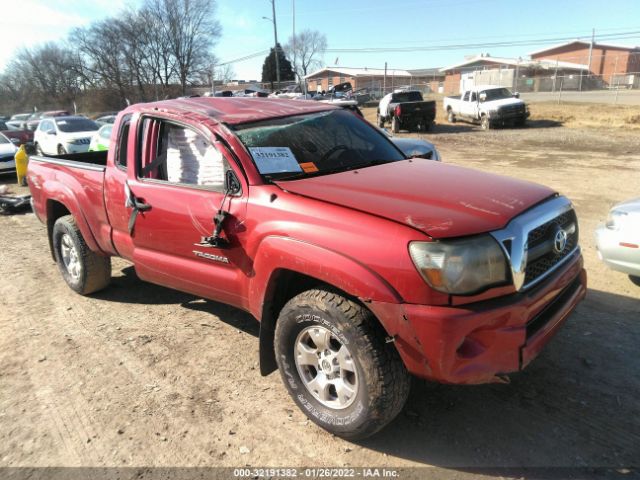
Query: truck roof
x=234 y=110
x=479 y=88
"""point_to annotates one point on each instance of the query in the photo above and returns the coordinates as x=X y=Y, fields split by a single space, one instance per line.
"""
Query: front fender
x=328 y=266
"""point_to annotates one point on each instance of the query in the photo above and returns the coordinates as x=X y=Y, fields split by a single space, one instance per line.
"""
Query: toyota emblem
x=560 y=241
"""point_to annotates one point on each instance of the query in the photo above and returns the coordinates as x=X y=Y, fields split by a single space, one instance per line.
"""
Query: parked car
x=60 y=135
x=7 y=155
x=105 y=120
x=20 y=117
x=100 y=139
x=488 y=105
x=406 y=109
x=15 y=134
x=34 y=120
x=363 y=267
x=415 y=147
x=618 y=239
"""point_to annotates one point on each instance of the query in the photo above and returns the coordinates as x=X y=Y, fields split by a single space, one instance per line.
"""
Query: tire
x=485 y=123
x=395 y=125
x=451 y=118
x=379 y=121
x=61 y=150
x=84 y=270
x=378 y=383
x=39 y=150
x=635 y=279
x=521 y=123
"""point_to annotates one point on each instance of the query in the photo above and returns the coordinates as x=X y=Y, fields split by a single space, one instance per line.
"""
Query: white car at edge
x=61 y=135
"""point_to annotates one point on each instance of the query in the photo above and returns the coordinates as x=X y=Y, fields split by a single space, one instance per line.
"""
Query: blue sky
x=356 y=24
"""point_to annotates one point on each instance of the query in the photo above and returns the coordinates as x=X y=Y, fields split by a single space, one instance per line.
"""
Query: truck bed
x=75 y=180
x=88 y=160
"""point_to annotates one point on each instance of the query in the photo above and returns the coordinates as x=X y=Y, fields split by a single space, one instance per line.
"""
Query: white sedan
x=62 y=135
x=7 y=155
x=618 y=240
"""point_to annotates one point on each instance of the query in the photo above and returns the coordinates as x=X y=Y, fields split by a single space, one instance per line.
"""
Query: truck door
x=177 y=187
x=466 y=107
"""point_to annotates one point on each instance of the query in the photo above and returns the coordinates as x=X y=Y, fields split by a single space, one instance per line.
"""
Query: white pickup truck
x=488 y=105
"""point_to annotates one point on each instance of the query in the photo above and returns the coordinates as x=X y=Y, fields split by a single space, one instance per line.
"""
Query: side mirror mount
x=232 y=185
x=516 y=95
x=51 y=132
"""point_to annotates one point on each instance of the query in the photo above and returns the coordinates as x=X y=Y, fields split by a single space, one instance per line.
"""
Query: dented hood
x=438 y=199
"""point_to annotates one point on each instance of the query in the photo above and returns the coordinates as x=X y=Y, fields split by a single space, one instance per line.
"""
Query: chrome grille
x=540 y=240
x=528 y=241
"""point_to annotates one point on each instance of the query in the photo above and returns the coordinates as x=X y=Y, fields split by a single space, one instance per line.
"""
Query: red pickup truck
x=362 y=266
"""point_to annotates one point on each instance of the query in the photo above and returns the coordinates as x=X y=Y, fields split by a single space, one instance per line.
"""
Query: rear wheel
x=451 y=118
x=635 y=279
x=84 y=270
x=336 y=365
x=380 y=121
x=395 y=125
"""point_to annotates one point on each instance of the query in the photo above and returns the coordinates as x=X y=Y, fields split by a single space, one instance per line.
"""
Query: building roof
x=512 y=62
x=425 y=72
x=361 y=72
x=587 y=43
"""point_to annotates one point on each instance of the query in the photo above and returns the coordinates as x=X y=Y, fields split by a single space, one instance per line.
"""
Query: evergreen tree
x=269 y=67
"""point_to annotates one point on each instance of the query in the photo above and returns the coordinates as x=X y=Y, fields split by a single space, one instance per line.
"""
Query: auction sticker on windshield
x=274 y=159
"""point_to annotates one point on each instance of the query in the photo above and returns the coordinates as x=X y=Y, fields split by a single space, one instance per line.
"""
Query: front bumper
x=477 y=343
x=75 y=148
x=618 y=257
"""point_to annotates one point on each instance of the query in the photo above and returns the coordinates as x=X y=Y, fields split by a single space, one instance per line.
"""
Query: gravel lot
x=139 y=375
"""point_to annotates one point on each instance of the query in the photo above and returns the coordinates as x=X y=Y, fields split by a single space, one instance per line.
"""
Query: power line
x=459 y=46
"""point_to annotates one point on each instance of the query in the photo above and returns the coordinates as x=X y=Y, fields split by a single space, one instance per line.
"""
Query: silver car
x=415 y=147
x=618 y=240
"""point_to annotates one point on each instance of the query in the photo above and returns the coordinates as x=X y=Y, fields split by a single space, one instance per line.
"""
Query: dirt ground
x=139 y=375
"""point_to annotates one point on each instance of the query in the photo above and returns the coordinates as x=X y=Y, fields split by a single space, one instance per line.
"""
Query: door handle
x=137 y=204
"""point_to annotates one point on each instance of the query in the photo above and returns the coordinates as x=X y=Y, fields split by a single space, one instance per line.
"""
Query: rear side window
x=466 y=96
x=123 y=143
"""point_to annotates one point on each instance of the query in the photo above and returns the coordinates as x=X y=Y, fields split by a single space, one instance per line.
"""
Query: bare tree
x=306 y=50
x=190 y=30
x=224 y=73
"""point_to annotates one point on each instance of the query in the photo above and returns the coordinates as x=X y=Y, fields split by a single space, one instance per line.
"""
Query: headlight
x=461 y=267
x=613 y=220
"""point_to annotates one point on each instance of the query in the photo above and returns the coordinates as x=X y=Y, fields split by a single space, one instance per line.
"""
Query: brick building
x=374 y=78
x=515 y=73
x=606 y=59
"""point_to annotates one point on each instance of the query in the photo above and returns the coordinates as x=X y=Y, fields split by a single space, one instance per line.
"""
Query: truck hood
x=438 y=199
x=502 y=102
x=76 y=135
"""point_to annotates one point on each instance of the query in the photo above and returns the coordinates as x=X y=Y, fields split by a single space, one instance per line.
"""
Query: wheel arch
x=58 y=208
x=306 y=266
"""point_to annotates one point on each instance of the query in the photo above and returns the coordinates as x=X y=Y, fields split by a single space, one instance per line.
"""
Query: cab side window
x=179 y=155
x=466 y=97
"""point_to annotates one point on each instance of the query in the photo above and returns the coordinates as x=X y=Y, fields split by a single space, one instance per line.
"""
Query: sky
x=355 y=24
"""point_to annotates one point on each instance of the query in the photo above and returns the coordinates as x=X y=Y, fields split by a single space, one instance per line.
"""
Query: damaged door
x=178 y=188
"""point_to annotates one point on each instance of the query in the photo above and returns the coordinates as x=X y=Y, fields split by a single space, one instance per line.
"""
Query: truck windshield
x=497 y=94
x=314 y=144
x=69 y=125
x=407 y=97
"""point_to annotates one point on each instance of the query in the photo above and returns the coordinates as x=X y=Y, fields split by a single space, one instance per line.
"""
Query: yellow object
x=22 y=160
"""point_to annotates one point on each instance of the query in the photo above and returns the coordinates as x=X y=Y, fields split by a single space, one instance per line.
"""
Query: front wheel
x=336 y=365
x=485 y=123
x=61 y=150
x=84 y=270
x=380 y=121
x=39 y=149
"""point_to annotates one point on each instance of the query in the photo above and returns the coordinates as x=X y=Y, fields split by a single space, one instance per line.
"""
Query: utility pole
x=384 y=84
x=275 y=36
x=293 y=39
